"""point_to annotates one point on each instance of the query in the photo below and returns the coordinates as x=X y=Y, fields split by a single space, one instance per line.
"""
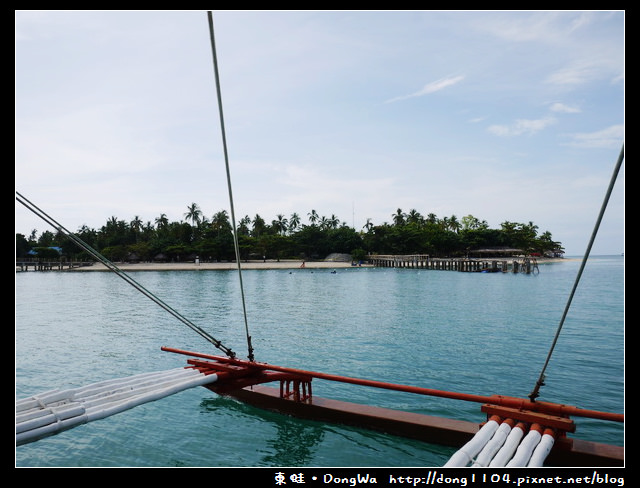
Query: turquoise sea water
x=467 y=332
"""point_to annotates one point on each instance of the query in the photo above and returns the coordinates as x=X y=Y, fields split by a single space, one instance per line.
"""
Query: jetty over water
x=50 y=265
x=424 y=261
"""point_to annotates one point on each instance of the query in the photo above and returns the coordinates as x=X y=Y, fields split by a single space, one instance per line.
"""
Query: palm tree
x=220 y=221
x=243 y=227
x=112 y=222
x=280 y=224
x=324 y=223
x=547 y=243
x=368 y=225
x=313 y=217
x=454 y=225
x=162 y=222
x=414 y=217
x=136 y=226
x=294 y=222
x=531 y=228
x=398 y=217
x=528 y=233
x=194 y=214
x=508 y=227
x=259 y=226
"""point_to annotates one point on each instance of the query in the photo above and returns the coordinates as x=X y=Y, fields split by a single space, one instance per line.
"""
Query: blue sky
x=505 y=115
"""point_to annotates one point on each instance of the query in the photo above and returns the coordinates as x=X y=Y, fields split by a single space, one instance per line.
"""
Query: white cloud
x=521 y=126
x=429 y=88
x=561 y=107
x=612 y=137
x=575 y=74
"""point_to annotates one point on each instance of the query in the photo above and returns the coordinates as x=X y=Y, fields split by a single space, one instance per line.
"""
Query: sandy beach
x=268 y=264
x=257 y=264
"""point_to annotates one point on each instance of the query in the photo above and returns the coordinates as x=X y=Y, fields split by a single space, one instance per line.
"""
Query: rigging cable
x=121 y=273
x=226 y=159
x=534 y=394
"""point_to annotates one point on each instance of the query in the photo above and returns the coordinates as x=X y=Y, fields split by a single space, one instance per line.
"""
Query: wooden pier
x=24 y=265
x=423 y=261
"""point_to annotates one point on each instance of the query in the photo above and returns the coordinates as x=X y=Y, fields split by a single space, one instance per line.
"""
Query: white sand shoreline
x=268 y=264
x=191 y=266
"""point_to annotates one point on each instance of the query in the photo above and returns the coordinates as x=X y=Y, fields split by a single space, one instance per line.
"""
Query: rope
x=20 y=198
x=226 y=159
x=534 y=394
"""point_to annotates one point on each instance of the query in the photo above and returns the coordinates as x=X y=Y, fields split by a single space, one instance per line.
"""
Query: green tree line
x=314 y=238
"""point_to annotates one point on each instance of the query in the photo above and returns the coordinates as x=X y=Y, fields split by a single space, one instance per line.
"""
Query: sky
x=511 y=116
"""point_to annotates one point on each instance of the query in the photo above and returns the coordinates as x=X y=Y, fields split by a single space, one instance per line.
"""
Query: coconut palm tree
x=259 y=226
x=313 y=217
x=398 y=217
x=414 y=217
x=194 y=214
x=136 y=226
x=324 y=223
x=280 y=224
x=454 y=224
x=294 y=222
x=162 y=222
x=220 y=222
x=243 y=226
x=368 y=225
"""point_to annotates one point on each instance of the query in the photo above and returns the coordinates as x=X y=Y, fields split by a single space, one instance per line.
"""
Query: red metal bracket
x=560 y=425
x=298 y=390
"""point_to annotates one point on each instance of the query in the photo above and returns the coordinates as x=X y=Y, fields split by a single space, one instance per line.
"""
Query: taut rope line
x=226 y=160
x=534 y=394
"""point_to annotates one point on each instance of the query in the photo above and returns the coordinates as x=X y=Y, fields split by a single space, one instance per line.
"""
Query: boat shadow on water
x=299 y=442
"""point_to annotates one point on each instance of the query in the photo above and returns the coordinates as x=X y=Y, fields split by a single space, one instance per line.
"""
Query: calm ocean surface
x=467 y=332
